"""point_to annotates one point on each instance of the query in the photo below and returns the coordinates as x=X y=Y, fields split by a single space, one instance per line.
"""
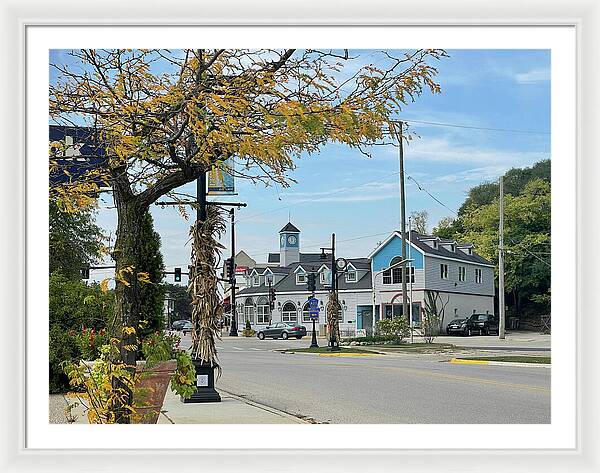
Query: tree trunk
x=127 y=292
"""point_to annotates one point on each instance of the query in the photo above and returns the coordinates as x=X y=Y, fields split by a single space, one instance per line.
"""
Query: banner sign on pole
x=220 y=179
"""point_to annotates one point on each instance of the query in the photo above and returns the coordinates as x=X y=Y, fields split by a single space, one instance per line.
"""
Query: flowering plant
x=89 y=341
x=161 y=346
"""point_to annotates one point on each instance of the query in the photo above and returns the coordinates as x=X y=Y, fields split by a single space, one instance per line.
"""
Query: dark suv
x=483 y=324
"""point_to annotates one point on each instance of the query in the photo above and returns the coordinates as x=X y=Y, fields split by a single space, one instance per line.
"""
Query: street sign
x=313 y=308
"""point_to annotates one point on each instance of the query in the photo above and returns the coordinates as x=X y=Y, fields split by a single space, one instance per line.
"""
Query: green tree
x=75 y=240
x=182 y=301
x=72 y=306
x=448 y=227
x=152 y=293
x=515 y=181
x=527 y=243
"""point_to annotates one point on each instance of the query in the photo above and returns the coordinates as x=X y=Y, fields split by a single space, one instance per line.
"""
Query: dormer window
x=256 y=280
x=452 y=248
x=434 y=243
x=351 y=276
x=300 y=278
x=269 y=279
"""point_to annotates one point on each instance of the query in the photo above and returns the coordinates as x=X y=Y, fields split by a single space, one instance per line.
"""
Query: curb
x=264 y=407
x=459 y=361
x=283 y=352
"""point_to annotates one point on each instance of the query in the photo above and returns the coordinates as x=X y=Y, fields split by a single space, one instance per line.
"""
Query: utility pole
x=233 y=331
x=402 y=222
x=501 y=305
x=410 y=311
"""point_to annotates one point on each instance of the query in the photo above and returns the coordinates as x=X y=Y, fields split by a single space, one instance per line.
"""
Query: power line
x=483 y=128
x=421 y=188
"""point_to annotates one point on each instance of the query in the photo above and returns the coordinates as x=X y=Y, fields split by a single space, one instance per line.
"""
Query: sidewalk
x=231 y=410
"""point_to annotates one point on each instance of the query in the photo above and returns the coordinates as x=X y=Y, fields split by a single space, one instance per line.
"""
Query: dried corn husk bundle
x=203 y=285
x=334 y=309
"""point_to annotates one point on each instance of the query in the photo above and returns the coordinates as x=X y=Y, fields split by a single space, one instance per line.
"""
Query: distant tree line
x=527 y=231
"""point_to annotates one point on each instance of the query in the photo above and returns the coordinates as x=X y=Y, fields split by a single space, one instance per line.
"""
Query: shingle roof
x=289 y=228
x=441 y=251
x=288 y=284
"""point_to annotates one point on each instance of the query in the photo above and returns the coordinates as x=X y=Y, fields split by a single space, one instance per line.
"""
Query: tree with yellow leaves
x=166 y=116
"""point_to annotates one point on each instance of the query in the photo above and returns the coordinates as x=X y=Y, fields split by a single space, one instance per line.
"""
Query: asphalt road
x=381 y=389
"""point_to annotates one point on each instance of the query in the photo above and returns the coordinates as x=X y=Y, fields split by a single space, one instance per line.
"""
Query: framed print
x=375 y=286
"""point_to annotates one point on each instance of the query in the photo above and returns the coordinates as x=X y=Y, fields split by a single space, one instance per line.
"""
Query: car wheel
x=261 y=336
x=284 y=335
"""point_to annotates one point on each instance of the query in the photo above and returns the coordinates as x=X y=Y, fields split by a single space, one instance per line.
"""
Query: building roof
x=304 y=258
x=443 y=252
x=288 y=283
x=289 y=228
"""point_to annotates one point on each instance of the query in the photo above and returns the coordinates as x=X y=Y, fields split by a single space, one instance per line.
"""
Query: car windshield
x=458 y=320
x=479 y=317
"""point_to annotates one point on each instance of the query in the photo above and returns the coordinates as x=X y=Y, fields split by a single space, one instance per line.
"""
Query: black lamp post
x=333 y=344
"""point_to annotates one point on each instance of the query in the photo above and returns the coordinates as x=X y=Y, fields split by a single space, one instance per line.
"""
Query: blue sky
x=342 y=191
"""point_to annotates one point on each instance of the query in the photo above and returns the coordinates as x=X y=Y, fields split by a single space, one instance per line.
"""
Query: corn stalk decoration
x=334 y=310
x=203 y=284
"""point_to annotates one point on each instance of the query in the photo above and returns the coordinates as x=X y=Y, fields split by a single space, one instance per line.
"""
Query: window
x=305 y=313
x=461 y=273
x=301 y=278
x=269 y=279
x=478 y=278
x=435 y=244
x=470 y=251
x=351 y=276
x=444 y=271
x=325 y=276
x=452 y=248
x=248 y=310
x=263 y=313
x=412 y=275
x=256 y=280
x=387 y=277
x=288 y=313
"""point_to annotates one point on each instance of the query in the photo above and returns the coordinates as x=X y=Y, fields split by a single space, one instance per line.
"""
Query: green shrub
x=372 y=339
x=396 y=327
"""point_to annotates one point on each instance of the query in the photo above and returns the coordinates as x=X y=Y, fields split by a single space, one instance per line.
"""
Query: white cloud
x=444 y=150
x=532 y=76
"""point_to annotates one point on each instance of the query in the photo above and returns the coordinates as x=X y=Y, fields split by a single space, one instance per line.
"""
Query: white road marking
x=236 y=348
x=255 y=349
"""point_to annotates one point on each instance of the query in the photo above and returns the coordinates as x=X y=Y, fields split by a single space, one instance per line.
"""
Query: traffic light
x=272 y=298
x=311 y=281
x=85 y=273
x=229 y=269
x=177 y=274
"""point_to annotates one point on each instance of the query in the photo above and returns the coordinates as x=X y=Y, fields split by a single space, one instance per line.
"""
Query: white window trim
x=444 y=274
x=298 y=276
x=255 y=281
x=353 y=273
x=478 y=276
x=462 y=271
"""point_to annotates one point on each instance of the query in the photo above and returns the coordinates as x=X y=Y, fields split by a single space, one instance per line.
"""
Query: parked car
x=186 y=327
x=483 y=324
x=178 y=324
x=282 y=330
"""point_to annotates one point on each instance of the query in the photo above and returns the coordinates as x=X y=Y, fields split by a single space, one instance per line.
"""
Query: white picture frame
x=16 y=16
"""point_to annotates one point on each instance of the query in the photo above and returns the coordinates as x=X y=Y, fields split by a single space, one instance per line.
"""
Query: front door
x=364 y=318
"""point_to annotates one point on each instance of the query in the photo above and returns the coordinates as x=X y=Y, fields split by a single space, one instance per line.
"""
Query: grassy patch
x=513 y=359
x=325 y=350
x=418 y=347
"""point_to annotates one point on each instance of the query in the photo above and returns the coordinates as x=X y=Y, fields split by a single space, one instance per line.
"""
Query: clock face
x=292 y=240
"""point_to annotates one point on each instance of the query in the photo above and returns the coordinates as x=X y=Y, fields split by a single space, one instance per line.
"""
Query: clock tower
x=289 y=245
